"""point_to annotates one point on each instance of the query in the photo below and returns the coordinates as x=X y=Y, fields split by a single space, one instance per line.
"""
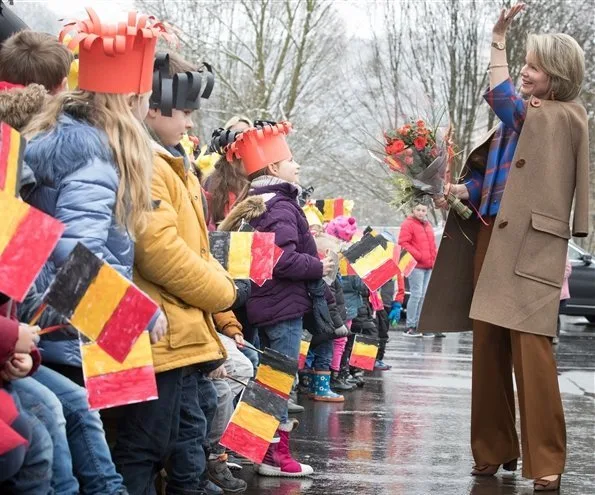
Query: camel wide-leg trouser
x=496 y=351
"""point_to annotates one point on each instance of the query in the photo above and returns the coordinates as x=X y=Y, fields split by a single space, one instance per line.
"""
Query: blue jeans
x=418 y=284
x=35 y=474
x=45 y=406
x=91 y=458
x=284 y=337
x=188 y=462
x=319 y=358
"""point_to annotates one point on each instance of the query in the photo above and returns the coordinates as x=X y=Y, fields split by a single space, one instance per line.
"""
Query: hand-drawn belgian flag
x=245 y=255
x=304 y=348
x=27 y=239
x=333 y=208
x=406 y=263
x=364 y=352
x=100 y=303
x=12 y=148
x=371 y=261
x=253 y=424
x=110 y=383
x=276 y=372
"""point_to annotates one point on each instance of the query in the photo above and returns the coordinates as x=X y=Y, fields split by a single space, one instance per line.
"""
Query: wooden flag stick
x=51 y=329
x=38 y=314
x=237 y=381
x=250 y=346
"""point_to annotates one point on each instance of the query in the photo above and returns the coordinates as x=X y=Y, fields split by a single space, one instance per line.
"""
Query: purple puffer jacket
x=285 y=297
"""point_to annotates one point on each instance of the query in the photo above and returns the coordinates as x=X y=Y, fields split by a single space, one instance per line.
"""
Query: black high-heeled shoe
x=491 y=470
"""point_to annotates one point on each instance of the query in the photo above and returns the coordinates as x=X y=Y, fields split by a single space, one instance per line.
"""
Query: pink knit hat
x=342 y=228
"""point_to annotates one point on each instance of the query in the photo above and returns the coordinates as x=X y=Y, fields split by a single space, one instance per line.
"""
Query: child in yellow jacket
x=173 y=265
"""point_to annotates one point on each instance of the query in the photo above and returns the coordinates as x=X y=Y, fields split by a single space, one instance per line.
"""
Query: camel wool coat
x=521 y=279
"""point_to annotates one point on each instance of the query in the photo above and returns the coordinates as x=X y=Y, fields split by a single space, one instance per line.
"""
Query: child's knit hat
x=342 y=227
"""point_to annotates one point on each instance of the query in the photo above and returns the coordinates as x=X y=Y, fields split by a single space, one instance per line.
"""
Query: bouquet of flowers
x=420 y=161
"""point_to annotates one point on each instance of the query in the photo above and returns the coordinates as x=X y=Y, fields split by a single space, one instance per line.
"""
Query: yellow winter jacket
x=173 y=265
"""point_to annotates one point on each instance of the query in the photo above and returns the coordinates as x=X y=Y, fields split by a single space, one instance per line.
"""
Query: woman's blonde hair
x=128 y=140
x=563 y=60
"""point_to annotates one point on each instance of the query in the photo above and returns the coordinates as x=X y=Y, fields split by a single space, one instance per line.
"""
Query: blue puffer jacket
x=352 y=291
x=77 y=183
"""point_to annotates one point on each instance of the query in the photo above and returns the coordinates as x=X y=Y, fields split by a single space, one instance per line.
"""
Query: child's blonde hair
x=128 y=139
x=563 y=60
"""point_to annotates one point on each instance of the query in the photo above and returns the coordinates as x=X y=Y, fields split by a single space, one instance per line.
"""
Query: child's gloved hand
x=395 y=313
x=18 y=367
x=342 y=331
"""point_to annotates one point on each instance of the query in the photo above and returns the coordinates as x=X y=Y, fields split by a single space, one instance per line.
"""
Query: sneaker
x=279 y=462
x=339 y=382
x=439 y=335
x=381 y=365
x=210 y=488
x=428 y=335
x=221 y=476
x=555 y=340
x=412 y=332
x=236 y=461
x=293 y=407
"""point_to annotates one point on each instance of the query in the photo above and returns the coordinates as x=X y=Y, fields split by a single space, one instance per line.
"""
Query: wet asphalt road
x=407 y=431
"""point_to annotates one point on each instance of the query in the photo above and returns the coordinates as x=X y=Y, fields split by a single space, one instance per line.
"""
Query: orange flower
x=420 y=123
x=420 y=143
x=403 y=131
x=395 y=147
x=394 y=165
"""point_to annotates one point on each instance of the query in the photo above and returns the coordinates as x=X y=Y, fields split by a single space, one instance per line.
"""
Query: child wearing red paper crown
x=91 y=160
x=278 y=307
x=174 y=266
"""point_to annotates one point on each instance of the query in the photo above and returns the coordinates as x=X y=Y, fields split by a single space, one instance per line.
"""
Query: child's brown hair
x=179 y=64
x=31 y=57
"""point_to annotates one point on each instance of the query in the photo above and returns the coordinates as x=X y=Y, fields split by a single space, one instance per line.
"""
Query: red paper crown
x=115 y=58
x=259 y=147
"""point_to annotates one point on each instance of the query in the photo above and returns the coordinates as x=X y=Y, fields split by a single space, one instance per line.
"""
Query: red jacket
x=9 y=334
x=9 y=438
x=418 y=239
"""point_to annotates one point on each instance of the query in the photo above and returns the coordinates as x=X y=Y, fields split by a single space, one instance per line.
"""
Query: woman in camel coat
x=501 y=274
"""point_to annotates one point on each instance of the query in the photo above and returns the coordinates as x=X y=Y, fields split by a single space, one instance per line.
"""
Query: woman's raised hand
x=506 y=18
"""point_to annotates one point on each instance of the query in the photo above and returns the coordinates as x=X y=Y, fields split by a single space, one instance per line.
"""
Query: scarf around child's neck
x=271 y=180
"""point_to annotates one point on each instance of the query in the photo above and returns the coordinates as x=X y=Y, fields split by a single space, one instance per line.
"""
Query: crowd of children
x=109 y=161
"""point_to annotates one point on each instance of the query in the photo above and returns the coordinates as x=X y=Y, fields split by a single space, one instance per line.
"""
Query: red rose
x=395 y=147
x=420 y=123
x=420 y=143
